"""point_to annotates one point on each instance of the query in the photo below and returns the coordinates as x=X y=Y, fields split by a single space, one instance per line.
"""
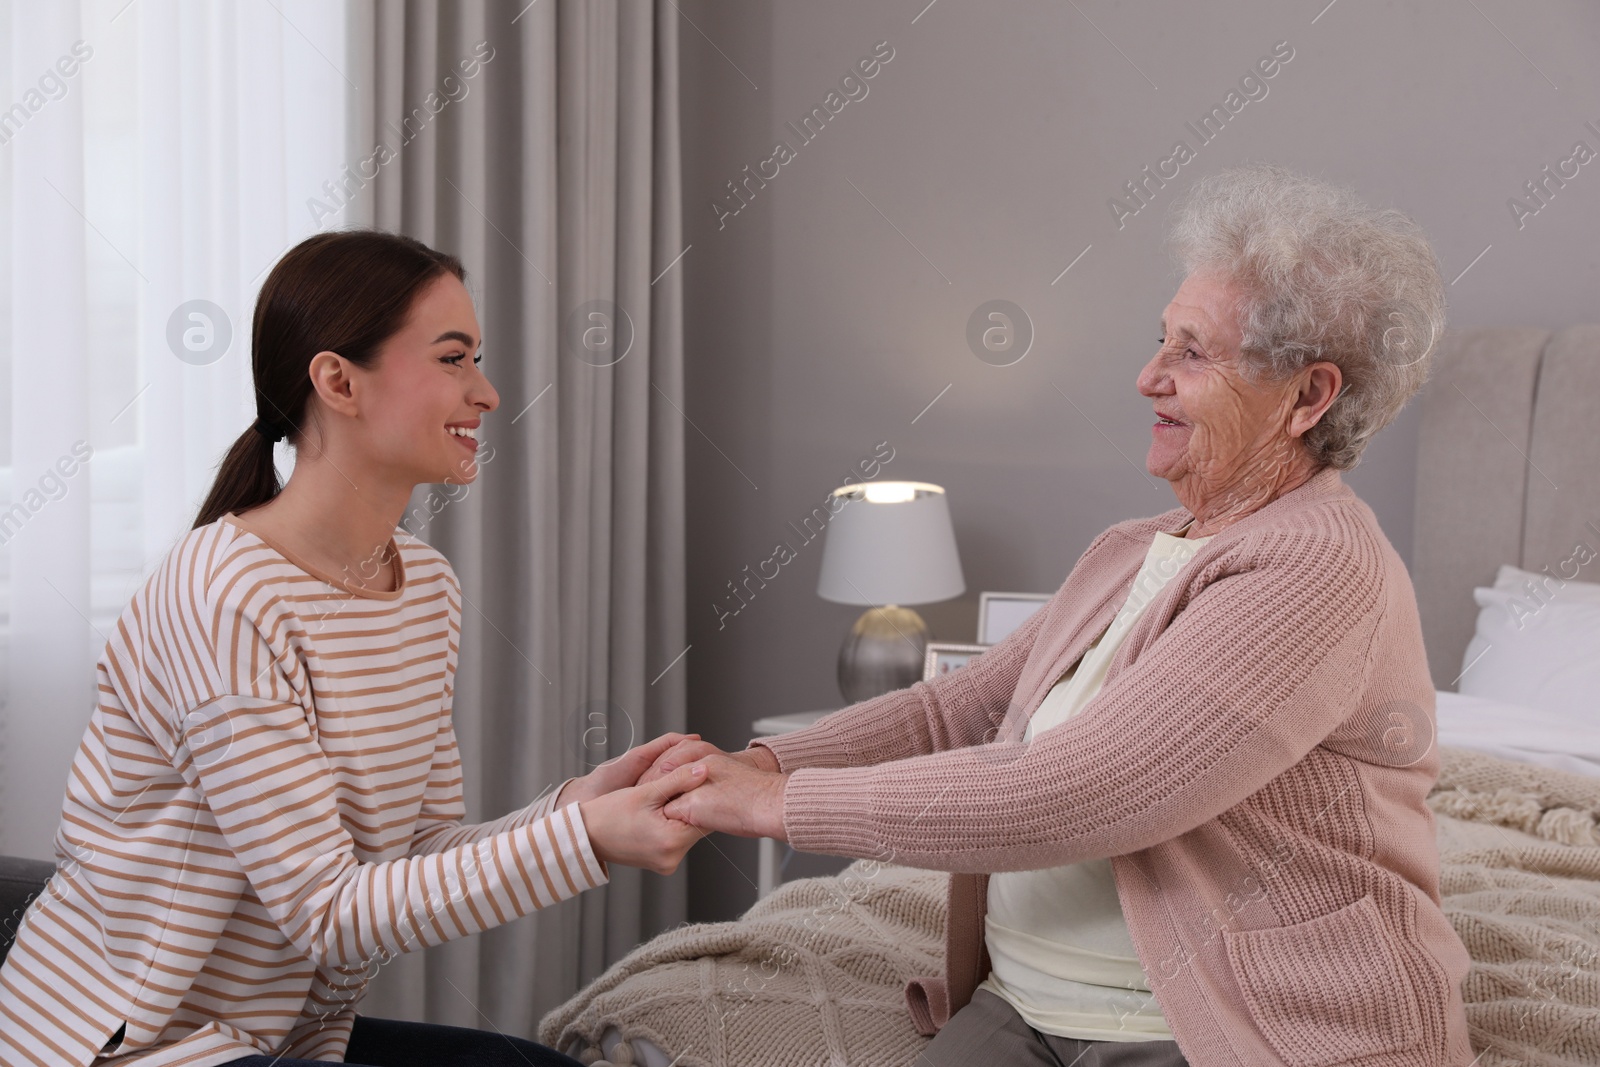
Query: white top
x=1057 y=939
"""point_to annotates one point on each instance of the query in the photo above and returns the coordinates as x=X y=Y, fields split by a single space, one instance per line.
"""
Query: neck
x=1216 y=509
x=340 y=516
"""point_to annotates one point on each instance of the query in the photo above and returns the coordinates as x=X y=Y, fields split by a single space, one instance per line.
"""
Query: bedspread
x=815 y=972
x=1519 y=878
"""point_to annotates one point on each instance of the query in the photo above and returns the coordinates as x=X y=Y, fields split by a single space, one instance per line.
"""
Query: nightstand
x=767 y=875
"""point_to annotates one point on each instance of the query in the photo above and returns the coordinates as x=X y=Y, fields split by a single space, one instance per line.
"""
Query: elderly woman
x=1184 y=803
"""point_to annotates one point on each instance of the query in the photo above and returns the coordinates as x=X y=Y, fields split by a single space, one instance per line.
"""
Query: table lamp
x=888 y=544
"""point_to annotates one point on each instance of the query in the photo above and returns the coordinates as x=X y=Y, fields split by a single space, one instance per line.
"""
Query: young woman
x=267 y=803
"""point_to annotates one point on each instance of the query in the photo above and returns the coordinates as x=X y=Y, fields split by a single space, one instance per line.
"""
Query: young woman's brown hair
x=346 y=291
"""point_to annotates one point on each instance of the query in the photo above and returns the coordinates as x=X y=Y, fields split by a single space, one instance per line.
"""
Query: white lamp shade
x=890 y=553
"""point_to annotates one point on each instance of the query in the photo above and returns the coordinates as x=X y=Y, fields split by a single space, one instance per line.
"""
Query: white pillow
x=1518 y=733
x=1532 y=587
x=1541 y=653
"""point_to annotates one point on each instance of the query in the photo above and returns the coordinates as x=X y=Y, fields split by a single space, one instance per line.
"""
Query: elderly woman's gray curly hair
x=1323 y=276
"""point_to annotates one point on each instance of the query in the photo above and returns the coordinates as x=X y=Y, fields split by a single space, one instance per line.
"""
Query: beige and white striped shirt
x=266 y=806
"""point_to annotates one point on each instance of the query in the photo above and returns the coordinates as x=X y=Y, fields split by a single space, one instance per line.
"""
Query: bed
x=1507 y=520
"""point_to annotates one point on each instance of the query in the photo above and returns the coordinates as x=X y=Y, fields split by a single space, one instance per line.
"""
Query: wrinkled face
x=425 y=380
x=1229 y=432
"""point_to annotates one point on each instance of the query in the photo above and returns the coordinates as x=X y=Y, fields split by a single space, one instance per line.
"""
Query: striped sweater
x=266 y=807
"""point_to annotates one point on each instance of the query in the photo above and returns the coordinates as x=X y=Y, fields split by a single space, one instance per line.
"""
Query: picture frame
x=1001 y=613
x=942 y=657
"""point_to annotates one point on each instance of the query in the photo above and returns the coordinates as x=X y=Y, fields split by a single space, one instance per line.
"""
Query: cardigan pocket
x=1327 y=990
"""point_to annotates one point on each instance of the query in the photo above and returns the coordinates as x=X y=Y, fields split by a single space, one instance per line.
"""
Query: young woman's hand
x=619 y=772
x=627 y=826
x=692 y=748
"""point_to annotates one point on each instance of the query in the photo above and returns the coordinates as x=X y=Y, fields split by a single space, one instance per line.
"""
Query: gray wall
x=819 y=323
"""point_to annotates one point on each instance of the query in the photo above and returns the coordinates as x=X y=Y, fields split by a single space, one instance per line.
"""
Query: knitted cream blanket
x=1519 y=877
x=814 y=973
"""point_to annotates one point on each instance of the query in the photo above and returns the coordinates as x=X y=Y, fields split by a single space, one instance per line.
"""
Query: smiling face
x=426 y=379
x=1232 y=447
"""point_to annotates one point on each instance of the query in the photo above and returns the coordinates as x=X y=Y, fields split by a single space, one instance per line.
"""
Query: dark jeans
x=988 y=1030
x=389 y=1043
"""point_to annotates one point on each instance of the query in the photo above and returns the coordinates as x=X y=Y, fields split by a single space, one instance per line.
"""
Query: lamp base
x=883 y=652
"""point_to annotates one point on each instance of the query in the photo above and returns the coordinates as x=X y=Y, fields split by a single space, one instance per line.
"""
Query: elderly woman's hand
x=692 y=748
x=734 y=798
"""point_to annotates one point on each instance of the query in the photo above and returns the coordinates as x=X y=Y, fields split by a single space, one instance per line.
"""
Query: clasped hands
x=646 y=807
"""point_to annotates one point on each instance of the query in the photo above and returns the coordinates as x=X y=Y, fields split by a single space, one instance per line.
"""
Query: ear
x=1319 y=387
x=335 y=385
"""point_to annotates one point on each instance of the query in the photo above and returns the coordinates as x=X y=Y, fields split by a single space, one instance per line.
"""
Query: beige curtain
x=539 y=142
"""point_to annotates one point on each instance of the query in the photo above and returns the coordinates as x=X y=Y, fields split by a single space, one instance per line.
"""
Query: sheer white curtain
x=153 y=154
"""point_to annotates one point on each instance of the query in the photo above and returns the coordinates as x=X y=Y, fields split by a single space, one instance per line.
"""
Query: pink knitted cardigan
x=1254 y=767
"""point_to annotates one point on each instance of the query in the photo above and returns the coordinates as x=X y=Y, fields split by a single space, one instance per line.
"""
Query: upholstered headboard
x=1508 y=471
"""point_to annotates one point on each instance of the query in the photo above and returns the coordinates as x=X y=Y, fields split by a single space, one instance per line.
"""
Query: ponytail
x=348 y=292
x=247 y=477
